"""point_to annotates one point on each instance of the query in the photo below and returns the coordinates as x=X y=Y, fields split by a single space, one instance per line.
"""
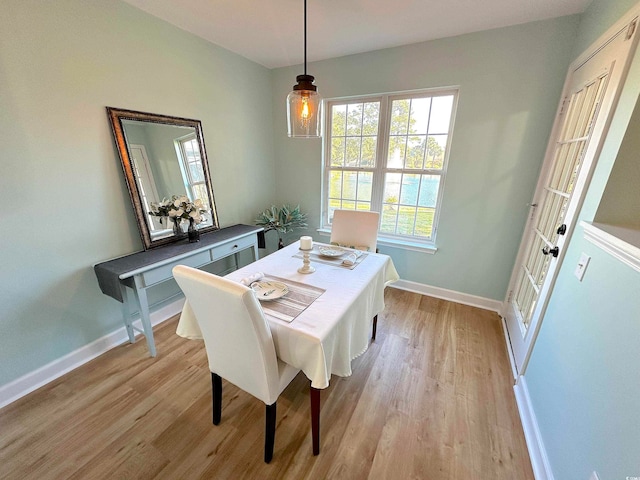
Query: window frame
x=382 y=151
x=185 y=164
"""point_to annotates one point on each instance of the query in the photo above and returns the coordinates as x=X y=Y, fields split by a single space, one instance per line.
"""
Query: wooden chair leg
x=375 y=326
x=216 y=395
x=269 y=432
x=315 y=419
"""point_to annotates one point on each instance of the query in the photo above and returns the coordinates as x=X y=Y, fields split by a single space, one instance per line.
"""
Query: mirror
x=162 y=157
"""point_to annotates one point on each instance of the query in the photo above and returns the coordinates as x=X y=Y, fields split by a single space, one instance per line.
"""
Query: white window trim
x=405 y=241
x=183 y=163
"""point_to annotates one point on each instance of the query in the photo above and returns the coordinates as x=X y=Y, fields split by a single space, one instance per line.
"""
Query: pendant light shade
x=303 y=108
x=303 y=103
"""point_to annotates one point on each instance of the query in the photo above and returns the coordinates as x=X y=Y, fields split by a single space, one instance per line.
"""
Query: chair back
x=356 y=229
x=236 y=335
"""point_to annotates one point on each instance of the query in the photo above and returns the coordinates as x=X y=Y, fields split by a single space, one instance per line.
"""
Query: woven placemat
x=297 y=299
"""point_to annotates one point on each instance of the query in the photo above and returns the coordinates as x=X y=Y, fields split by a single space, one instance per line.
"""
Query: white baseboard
x=537 y=452
x=451 y=295
x=507 y=341
x=33 y=380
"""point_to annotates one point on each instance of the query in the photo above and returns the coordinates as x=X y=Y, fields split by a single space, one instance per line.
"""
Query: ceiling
x=270 y=32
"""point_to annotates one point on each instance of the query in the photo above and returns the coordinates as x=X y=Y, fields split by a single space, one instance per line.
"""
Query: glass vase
x=177 y=230
x=193 y=232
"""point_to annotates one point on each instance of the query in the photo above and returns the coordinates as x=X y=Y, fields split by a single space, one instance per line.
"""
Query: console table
x=142 y=270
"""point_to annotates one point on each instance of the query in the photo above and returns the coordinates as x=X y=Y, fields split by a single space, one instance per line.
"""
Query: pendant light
x=303 y=103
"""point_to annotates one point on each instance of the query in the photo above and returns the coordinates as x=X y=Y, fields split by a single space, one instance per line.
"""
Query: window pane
x=419 y=119
x=441 y=114
x=368 y=152
x=392 y=188
x=415 y=152
x=335 y=184
x=389 y=217
x=403 y=193
x=338 y=120
x=429 y=186
x=192 y=150
x=200 y=192
x=337 y=152
x=197 y=172
x=410 y=187
x=399 y=117
x=354 y=119
x=353 y=151
x=347 y=205
x=397 y=147
x=406 y=219
x=188 y=148
x=370 y=118
x=424 y=222
x=364 y=186
x=436 y=145
x=349 y=185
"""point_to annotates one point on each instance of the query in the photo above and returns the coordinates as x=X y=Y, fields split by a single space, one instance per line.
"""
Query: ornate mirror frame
x=117 y=117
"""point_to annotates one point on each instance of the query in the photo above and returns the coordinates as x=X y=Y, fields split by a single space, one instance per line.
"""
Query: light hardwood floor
x=431 y=399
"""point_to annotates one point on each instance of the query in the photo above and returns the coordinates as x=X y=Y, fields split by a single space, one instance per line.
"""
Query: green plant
x=283 y=220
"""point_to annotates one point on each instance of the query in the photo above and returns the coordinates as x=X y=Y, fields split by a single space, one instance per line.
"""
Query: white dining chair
x=356 y=229
x=238 y=342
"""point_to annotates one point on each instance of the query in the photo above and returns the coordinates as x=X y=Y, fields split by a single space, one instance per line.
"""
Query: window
x=389 y=154
x=188 y=152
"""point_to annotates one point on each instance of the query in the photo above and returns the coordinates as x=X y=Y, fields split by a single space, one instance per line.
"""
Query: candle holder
x=306 y=263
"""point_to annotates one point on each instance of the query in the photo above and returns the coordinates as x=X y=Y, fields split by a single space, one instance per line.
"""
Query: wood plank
x=432 y=398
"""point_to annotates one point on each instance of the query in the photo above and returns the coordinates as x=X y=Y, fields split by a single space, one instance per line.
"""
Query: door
x=590 y=92
x=144 y=176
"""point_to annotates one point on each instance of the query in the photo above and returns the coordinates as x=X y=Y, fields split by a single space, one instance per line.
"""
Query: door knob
x=553 y=251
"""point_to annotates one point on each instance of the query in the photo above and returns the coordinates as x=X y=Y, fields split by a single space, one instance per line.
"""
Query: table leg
x=126 y=314
x=375 y=327
x=315 y=419
x=143 y=302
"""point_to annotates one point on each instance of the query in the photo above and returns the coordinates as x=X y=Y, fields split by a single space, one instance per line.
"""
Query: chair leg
x=269 y=432
x=216 y=394
x=375 y=326
x=314 y=393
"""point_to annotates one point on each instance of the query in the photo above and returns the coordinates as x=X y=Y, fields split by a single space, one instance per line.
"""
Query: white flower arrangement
x=178 y=207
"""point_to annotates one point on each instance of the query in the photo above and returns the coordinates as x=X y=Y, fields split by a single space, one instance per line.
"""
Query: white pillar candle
x=306 y=243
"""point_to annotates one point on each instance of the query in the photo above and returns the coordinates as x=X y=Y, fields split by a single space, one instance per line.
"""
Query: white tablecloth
x=335 y=328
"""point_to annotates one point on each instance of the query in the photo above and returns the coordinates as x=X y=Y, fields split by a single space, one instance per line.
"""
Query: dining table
x=323 y=319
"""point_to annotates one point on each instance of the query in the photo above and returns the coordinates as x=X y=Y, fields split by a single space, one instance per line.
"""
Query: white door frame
x=147 y=184
x=618 y=72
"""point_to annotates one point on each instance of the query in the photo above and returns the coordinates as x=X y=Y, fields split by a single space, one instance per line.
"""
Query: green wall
x=583 y=376
x=510 y=81
x=65 y=202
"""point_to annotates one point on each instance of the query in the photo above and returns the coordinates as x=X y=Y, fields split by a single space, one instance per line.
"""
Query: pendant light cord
x=305 y=37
